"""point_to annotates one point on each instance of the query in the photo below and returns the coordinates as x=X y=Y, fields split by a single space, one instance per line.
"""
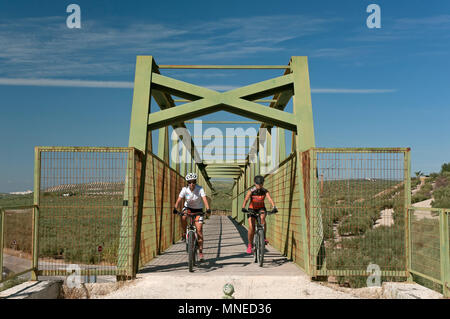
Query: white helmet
x=191 y=176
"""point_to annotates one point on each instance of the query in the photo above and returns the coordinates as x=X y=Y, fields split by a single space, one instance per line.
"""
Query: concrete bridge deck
x=226 y=261
x=224 y=247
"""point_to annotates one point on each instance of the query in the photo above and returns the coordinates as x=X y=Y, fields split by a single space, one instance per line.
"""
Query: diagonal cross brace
x=235 y=101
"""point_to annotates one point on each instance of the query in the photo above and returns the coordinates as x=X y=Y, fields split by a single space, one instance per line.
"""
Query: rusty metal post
x=2 y=230
x=36 y=202
x=444 y=252
x=304 y=137
x=140 y=136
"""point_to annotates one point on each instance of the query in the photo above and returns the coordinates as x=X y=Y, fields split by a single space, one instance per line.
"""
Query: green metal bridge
x=108 y=210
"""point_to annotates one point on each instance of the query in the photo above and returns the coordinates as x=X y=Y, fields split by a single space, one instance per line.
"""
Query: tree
x=418 y=174
x=445 y=167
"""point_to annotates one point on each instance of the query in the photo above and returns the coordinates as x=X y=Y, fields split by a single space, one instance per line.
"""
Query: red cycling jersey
x=257 y=198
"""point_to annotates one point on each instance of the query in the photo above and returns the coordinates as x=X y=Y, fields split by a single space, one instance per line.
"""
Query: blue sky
x=72 y=87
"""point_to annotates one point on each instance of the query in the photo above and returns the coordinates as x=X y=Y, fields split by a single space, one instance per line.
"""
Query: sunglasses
x=192 y=182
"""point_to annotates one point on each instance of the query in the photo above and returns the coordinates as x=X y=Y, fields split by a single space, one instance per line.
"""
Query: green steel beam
x=163 y=144
x=181 y=89
x=224 y=176
x=226 y=136
x=304 y=138
x=223 y=169
x=36 y=202
x=249 y=92
x=175 y=162
x=282 y=99
x=225 y=122
x=445 y=252
x=212 y=101
x=164 y=100
x=407 y=204
x=281 y=154
x=140 y=138
x=232 y=105
x=141 y=103
x=233 y=67
x=231 y=166
x=2 y=236
x=224 y=162
x=256 y=101
x=263 y=89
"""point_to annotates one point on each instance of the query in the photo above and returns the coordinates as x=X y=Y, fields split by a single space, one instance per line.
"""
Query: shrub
x=441 y=197
x=353 y=225
x=445 y=167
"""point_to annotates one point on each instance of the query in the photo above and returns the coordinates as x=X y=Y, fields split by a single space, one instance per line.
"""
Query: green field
x=221 y=199
x=350 y=210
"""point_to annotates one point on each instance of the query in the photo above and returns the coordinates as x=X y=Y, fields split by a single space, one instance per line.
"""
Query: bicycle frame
x=259 y=236
x=191 y=232
x=191 y=226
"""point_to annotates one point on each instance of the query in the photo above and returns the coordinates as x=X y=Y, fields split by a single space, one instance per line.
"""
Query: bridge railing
x=85 y=211
x=429 y=247
x=342 y=211
x=356 y=203
x=16 y=241
x=89 y=217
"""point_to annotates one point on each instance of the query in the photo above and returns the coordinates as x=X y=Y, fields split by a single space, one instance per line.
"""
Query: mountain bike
x=191 y=237
x=259 y=241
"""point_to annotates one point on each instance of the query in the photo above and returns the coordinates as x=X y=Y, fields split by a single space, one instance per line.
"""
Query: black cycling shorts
x=253 y=212
x=198 y=218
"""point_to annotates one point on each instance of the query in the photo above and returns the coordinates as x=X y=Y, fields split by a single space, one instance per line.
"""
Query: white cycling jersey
x=193 y=199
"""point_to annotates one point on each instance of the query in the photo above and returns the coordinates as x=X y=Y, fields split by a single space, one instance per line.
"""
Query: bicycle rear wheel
x=191 y=251
x=261 y=247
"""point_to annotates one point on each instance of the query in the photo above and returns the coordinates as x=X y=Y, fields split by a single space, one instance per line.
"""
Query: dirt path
x=425 y=213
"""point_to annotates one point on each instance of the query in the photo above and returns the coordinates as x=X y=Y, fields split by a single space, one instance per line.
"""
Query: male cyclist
x=195 y=197
x=256 y=195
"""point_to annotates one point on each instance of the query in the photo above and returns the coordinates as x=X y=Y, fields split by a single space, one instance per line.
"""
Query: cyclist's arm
x=180 y=198
x=205 y=201
x=270 y=199
x=204 y=198
x=247 y=197
x=177 y=203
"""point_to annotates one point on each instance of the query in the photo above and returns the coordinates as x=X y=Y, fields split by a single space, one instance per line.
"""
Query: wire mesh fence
x=160 y=228
x=286 y=229
x=357 y=211
x=17 y=242
x=429 y=247
x=86 y=210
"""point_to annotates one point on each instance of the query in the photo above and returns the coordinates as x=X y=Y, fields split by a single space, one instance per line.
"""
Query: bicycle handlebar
x=176 y=212
x=273 y=211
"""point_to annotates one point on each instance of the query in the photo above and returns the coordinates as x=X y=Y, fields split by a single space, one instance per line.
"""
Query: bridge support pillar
x=304 y=140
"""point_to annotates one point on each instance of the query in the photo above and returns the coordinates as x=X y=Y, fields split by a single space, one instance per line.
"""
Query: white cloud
x=353 y=91
x=129 y=85
x=44 y=47
x=66 y=83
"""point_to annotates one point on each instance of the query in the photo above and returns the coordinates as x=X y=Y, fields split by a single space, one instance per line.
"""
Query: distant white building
x=21 y=193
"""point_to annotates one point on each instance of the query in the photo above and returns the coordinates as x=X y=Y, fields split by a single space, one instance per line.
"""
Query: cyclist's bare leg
x=199 y=227
x=251 y=229
x=263 y=223
x=184 y=224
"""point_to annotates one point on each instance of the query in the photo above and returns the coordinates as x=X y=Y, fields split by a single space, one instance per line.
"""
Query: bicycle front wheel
x=255 y=247
x=261 y=247
x=191 y=251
